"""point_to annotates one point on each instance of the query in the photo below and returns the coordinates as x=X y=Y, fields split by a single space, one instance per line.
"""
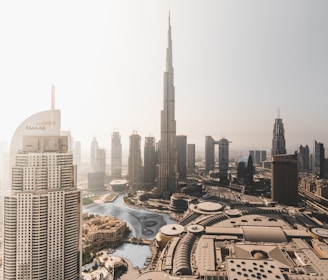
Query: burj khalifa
x=168 y=175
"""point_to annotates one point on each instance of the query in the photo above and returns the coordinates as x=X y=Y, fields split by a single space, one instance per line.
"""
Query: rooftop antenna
x=169 y=12
x=278 y=113
x=52 y=105
x=170 y=17
x=52 y=97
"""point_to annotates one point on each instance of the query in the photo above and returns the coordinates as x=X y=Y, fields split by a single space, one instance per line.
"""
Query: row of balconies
x=42 y=180
x=10 y=239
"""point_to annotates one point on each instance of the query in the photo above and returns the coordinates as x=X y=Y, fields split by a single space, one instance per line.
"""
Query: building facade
x=116 y=156
x=209 y=153
x=318 y=159
x=284 y=179
x=93 y=153
x=304 y=158
x=135 y=161
x=150 y=161
x=182 y=156
x=223 y=158
x=100 y=160
x=258 y=156
x=96 y=178
x=245 y=170
x=168 y=174
x=263 y=156
x=42 y=210
x=77 y=155
x=191 y=158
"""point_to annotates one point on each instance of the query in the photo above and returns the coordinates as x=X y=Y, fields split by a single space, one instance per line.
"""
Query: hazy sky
x=235 y=63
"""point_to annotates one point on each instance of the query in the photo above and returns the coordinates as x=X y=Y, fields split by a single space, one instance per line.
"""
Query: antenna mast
x=52 y=105
x=52 y=97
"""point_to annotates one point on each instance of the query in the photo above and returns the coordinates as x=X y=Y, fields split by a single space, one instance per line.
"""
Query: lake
x=142 y=223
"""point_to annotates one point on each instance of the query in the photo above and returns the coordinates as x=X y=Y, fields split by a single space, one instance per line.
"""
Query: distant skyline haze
x=235 y=63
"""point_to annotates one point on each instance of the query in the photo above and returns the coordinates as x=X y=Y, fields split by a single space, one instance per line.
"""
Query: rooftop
x=239 y=240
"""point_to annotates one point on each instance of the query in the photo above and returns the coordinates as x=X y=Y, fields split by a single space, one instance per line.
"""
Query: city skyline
x=235 y=65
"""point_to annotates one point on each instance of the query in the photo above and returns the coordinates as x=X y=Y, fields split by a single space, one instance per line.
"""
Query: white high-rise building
x=42 y=210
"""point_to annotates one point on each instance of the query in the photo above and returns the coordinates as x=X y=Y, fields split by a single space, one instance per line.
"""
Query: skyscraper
x=318 y=159
x=191 y=158
x=258 y=156
x=245 y=170
x=100 y=161
x=77 y=155
x=99 y=174
x=182 y=156
x=209 y=153
x=93 y=153
x=135 y=162
x=116 y=156
x=42 y=210
x=70 y=139
x=284 y=179
x=150 y=161
x=278 y=141
x=304 y=158
x=96 y=177
x=223 y=158
x=168 y=174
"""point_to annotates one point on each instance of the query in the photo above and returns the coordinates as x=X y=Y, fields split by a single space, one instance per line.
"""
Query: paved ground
x=132 y=273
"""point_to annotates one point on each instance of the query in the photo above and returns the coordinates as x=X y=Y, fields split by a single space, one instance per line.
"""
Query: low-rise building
x=98 y=231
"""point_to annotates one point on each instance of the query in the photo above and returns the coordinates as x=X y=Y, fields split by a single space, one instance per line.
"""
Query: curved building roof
x=233 y=212
x=45 y=123
x=118 y=182
x=172 y=229
x=207 y=207
x=266 y=234
x=181 y=261
x=195 y=228
x=320 y=232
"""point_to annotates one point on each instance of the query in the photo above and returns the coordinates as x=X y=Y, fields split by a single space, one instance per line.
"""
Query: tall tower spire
x=278 y=140
x=167 y=146
x=169 y=58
